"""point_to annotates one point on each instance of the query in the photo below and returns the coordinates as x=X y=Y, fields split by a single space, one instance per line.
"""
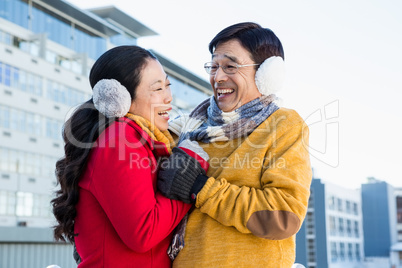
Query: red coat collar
x=159 y=148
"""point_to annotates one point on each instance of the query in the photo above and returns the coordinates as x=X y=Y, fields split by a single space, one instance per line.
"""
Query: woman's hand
x=182 y=175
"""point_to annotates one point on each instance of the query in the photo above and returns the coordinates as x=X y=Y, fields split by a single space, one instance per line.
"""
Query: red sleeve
x=122 y=183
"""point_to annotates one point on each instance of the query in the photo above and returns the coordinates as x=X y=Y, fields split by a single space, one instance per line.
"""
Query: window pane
x=24 y=204
x=7 y=75
x=1 y=72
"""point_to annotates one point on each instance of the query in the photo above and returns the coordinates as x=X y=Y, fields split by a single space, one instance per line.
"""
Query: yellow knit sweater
x=255 y=200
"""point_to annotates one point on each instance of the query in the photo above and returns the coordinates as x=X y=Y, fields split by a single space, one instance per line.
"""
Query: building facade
x=332 y=233
x=47 y=48
x=396 y=249
x=398 y=195
x=379 y=222
x=379 y=218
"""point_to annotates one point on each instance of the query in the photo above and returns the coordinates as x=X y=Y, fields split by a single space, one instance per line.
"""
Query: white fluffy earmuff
x=270 y=76
x=111 y=98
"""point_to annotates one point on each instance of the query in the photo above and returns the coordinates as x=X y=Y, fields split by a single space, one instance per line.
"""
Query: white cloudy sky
x=344 y=70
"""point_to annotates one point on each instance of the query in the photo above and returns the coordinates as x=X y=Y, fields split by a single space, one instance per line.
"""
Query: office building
x=398 y=196
x=396 y=249
x=47 y=48
x=379 y=221
x=332 y=233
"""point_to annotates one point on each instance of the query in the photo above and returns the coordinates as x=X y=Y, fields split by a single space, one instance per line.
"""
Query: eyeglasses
x=232 y=68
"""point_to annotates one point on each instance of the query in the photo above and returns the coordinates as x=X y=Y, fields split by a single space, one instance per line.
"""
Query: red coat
x=122 y=221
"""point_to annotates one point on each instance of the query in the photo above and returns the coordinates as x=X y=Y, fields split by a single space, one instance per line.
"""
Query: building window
x=15 y=79
x=340 y=205
x=64 y=94
x=21 y=121
x=357 y=253
x=399 y=208
x=33 y=84
x=311 y=200
x=342 y=251
x=331 y=202
x=22 y=162
x=4 y=159
x=29 y=163
x=41 y=206
x=185 y=96
x=349 y=227
x=53 y=129
x=340 y=226
x=48 y=166
x=7 y=203
x=59 y=31
x=311 y=256
x=311 y=246
x=7 y=75
x=5 y=38
x=350 y=251
x=51 y=56
x=334 y=252
x=24 y=204
x=311 y=250
x=13 y=164
x=4 y=117
x=355 y=209
x=356 y=229
x=8 y=160
x=34 y=126
x=310 y=223
x=332 y=225
x=348 y=207
x=21 y=80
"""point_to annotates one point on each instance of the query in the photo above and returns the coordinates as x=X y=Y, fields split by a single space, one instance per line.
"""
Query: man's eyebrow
x=232 y=58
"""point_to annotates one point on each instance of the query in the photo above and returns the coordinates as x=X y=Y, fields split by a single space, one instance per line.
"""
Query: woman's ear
x=270 y=75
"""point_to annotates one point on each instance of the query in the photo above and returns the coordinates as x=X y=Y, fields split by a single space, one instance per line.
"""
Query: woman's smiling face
x=153 y=96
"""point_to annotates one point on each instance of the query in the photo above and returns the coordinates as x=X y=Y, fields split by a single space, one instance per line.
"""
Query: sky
x=343 y=70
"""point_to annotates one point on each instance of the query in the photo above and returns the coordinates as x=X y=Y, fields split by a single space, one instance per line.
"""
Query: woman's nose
x=168 y=97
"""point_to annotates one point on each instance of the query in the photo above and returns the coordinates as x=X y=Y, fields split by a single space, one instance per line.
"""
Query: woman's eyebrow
x=158 y=81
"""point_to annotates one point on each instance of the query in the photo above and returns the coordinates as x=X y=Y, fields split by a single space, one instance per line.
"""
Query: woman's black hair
x=82 y=129
x=262 y=43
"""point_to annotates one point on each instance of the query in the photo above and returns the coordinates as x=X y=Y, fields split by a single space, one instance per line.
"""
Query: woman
x=108 y=203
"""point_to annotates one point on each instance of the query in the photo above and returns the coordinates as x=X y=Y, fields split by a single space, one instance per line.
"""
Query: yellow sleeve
x=277 y=209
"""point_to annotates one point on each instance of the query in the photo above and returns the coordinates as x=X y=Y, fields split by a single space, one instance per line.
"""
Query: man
x=253 y=199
